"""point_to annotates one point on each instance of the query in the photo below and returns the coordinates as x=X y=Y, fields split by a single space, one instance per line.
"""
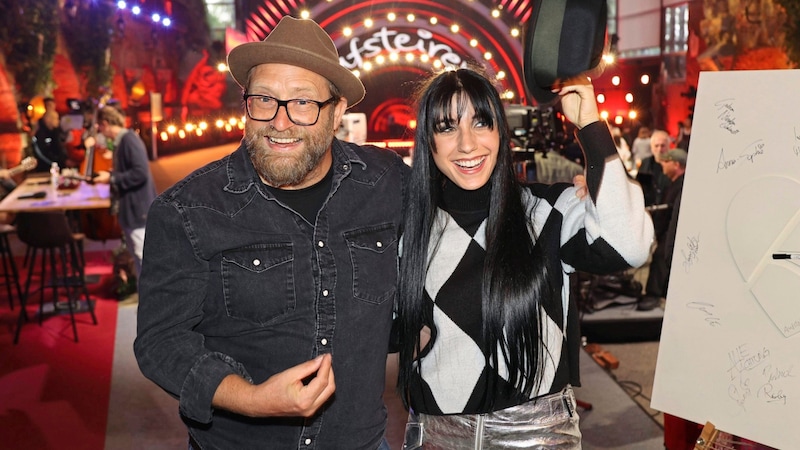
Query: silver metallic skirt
x=548 y=422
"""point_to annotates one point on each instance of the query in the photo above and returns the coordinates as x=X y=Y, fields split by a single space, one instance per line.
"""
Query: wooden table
x=84 y=196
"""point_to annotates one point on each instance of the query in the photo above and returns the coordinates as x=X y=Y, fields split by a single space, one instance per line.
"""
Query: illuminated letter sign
x=392 y=41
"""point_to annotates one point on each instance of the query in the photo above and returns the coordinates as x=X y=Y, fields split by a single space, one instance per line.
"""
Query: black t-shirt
x=307 y=201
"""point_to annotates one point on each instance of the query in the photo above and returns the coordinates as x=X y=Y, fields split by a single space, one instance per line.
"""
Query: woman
x=489 y=338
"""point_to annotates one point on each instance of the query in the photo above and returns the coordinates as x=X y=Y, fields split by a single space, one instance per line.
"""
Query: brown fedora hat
x=297 y=42
x=563 y=39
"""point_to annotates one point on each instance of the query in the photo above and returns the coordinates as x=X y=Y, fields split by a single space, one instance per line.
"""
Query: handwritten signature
x=707 y=309
x=690 y=253
x=746 y=380
x=749 y=154
x=725 y=115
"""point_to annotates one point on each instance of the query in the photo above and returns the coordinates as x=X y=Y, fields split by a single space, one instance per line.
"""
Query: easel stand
x=713 y=439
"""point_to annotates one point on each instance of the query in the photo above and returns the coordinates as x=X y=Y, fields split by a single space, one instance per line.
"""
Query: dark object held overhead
x=563 y=39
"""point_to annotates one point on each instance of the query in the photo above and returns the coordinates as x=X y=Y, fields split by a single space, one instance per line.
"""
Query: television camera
x=535 y=129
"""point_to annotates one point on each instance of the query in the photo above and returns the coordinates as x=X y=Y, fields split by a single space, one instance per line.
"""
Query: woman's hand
x=578 y=102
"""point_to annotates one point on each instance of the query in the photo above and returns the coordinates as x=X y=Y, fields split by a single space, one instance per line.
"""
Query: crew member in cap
x=673 y=165
x=269 y=276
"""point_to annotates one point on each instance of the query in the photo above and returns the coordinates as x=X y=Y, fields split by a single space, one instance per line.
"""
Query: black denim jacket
x=236 y=282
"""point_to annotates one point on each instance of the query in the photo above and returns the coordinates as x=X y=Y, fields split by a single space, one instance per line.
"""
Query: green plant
x=792 y=28
x=28 y=35
x=88 y=38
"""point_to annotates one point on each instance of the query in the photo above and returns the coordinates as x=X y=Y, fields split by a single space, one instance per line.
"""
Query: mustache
x=268 y=131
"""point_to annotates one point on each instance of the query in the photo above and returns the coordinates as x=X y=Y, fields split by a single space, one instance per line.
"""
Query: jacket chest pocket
x=258 y=282
x=373 y=254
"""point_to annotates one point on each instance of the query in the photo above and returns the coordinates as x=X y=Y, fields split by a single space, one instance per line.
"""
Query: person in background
x=489 y=338
x=674 y=166
x=131 y=182
x=650 y=175
x=684 y=134
x=622 y=148
x=49 y=142
x=49 y=104
x=274 y=268
x=640 y=149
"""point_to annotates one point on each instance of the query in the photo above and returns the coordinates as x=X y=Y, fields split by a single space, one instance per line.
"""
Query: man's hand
x=102 y=177
x=297 y=391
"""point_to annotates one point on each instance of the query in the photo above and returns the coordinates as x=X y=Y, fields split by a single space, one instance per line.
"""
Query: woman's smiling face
x=466 y=149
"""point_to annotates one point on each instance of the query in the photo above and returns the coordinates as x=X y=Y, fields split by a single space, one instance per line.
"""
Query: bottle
x=55 y=172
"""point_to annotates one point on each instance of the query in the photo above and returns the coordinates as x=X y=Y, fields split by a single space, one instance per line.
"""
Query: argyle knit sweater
x=606 y=232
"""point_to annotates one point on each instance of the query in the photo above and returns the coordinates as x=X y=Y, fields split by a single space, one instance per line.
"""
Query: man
x=650 y=174
x=49 y=142
x=274 y=268
x=673 y=163
x=132 y=186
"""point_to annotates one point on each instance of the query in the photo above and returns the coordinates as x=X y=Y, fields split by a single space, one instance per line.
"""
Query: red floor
x=53 y=391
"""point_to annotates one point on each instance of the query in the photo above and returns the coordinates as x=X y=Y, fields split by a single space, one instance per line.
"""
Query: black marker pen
x=786 y=256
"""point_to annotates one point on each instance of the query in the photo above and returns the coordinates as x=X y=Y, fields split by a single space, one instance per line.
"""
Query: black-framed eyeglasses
x=301 y=111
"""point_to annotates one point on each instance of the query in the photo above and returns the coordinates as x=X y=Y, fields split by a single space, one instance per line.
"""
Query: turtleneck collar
x=455 y=199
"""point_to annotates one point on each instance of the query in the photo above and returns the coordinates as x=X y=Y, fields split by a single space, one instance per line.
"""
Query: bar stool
x=51 y=233
x=10 y=274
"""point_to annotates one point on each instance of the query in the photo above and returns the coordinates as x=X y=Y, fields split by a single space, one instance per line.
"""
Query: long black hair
x=515 y=283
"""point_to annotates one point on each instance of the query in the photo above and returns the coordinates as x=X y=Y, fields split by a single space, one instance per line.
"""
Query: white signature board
x=730 y=342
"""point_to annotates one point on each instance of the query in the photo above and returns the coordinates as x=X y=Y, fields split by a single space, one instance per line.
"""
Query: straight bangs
x=463 y=90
